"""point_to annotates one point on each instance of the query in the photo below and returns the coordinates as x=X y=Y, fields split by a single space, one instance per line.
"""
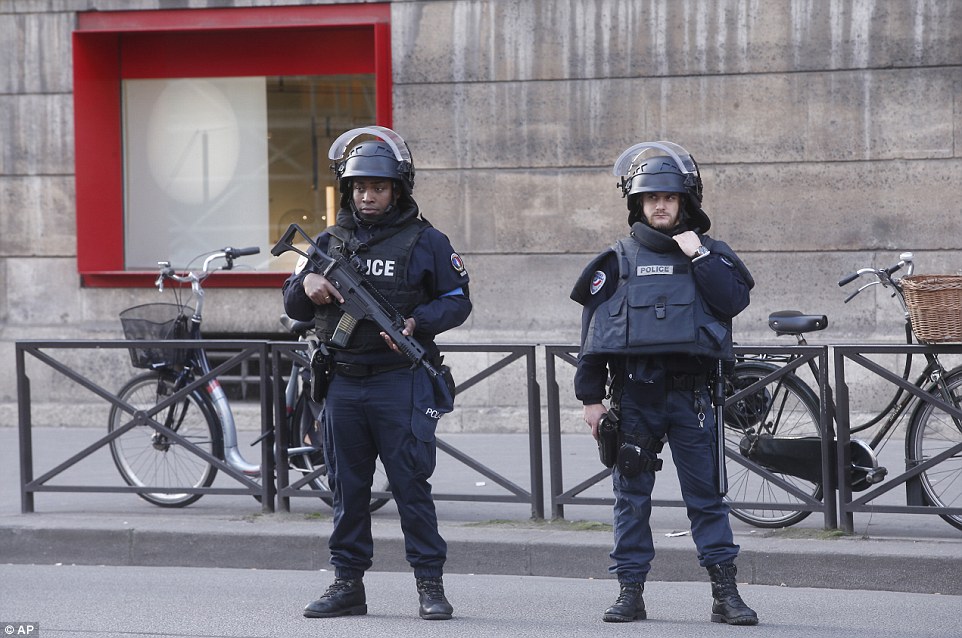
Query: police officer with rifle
x=656 y=321
x=380 y=285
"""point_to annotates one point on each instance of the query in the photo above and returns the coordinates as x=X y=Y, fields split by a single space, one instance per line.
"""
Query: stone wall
x=825 y=132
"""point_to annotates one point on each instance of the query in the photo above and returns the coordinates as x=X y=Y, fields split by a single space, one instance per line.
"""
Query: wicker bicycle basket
x=935 y=306
x=154 y=321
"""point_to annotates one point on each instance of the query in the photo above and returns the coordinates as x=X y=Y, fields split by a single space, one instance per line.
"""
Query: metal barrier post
x=281 y=443
x=827 y=416
x=534 y=437
x=842 y=456
x=554 y=429
x=268 y=466
x=26 y=434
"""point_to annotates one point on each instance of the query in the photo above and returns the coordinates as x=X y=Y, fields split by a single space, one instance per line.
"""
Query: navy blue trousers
x=366 y=418
x=686 y=417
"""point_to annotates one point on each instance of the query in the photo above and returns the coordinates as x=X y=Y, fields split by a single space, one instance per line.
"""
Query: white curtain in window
x=196 y=170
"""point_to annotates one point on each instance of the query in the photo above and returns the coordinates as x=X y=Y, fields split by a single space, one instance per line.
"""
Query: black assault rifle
x=361 y=299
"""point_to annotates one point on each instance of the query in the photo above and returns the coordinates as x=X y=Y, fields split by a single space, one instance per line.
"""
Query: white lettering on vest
x=380 y=267
x=642 y=271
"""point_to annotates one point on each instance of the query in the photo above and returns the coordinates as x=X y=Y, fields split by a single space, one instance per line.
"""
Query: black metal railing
x=916 y=503
x=801 y=356
x=837 y=499
x=30 y=484
x=534 y=495
x=235 y=356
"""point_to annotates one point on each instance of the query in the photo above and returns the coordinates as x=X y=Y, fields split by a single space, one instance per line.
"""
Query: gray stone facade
x=825 y=132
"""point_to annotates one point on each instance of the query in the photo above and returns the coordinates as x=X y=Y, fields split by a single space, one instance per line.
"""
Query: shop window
x=203 y=128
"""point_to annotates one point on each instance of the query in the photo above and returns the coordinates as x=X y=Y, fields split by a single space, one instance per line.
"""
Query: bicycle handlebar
x=228 y=253
x=883 y=275
x=241 y=252
x=847 y=279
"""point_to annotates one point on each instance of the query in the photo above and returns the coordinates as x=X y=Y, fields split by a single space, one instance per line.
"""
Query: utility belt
x=683 y=381
x=323 y=367
x=359 y=370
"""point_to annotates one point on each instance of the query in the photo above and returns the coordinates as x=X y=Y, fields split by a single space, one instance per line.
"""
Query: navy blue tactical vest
x=386 y=266
x=656 y=308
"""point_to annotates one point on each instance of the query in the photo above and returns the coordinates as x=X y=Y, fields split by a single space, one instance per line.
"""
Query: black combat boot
x=629 y=606
x=434 y=606
x=345 y=597
x=728 y=606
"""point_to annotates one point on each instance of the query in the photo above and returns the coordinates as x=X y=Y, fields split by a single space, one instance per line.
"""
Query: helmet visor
x=631 y=160
x=395 y=141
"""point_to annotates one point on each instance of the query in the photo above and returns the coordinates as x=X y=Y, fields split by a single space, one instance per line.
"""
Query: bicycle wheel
x=786 y=408
x=148 y=458
x=932 y=432
x=309 y=432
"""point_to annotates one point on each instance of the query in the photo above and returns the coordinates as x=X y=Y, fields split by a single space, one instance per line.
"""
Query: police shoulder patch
x=457 y=263
x=597 y=281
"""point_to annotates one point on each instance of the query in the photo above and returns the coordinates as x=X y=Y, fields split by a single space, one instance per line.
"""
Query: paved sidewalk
x=889 y=552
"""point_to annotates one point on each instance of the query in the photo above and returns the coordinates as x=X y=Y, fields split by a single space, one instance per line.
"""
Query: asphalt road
x=147 y=602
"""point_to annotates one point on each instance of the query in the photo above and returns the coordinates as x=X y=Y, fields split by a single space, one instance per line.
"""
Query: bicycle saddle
x=294 y=326
x=792 y=322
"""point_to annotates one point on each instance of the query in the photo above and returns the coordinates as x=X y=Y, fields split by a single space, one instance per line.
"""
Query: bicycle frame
x=198 y=356
x=218 y=399
x=898 y=405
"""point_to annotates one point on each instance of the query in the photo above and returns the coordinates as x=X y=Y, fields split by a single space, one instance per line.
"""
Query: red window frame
x=109 y=47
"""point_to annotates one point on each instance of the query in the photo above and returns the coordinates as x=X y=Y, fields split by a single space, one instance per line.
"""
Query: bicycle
x=777 y=426
x=147 y=457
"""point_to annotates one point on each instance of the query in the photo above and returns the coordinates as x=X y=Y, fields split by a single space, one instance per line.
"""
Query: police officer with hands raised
x=371 y=407
x=657 y=315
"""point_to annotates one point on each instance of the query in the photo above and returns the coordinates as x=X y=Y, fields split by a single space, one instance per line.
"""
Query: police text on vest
x=657 y=269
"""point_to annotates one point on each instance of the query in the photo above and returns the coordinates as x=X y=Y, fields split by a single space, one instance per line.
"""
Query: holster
x=322 y=367
x=608 y=438
x=632 y=458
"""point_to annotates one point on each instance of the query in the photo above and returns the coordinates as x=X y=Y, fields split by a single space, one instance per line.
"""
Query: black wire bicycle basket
x=153 y=321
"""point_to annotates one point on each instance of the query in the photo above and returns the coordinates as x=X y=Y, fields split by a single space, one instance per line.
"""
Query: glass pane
x=195 y=169
x=305 y=116
x=232 y=161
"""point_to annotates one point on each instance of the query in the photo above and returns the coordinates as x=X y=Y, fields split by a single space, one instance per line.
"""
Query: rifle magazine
x=343 y=331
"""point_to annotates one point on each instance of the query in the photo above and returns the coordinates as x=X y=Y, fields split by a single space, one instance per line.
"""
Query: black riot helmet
x=388 y=157
x=661 y=167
